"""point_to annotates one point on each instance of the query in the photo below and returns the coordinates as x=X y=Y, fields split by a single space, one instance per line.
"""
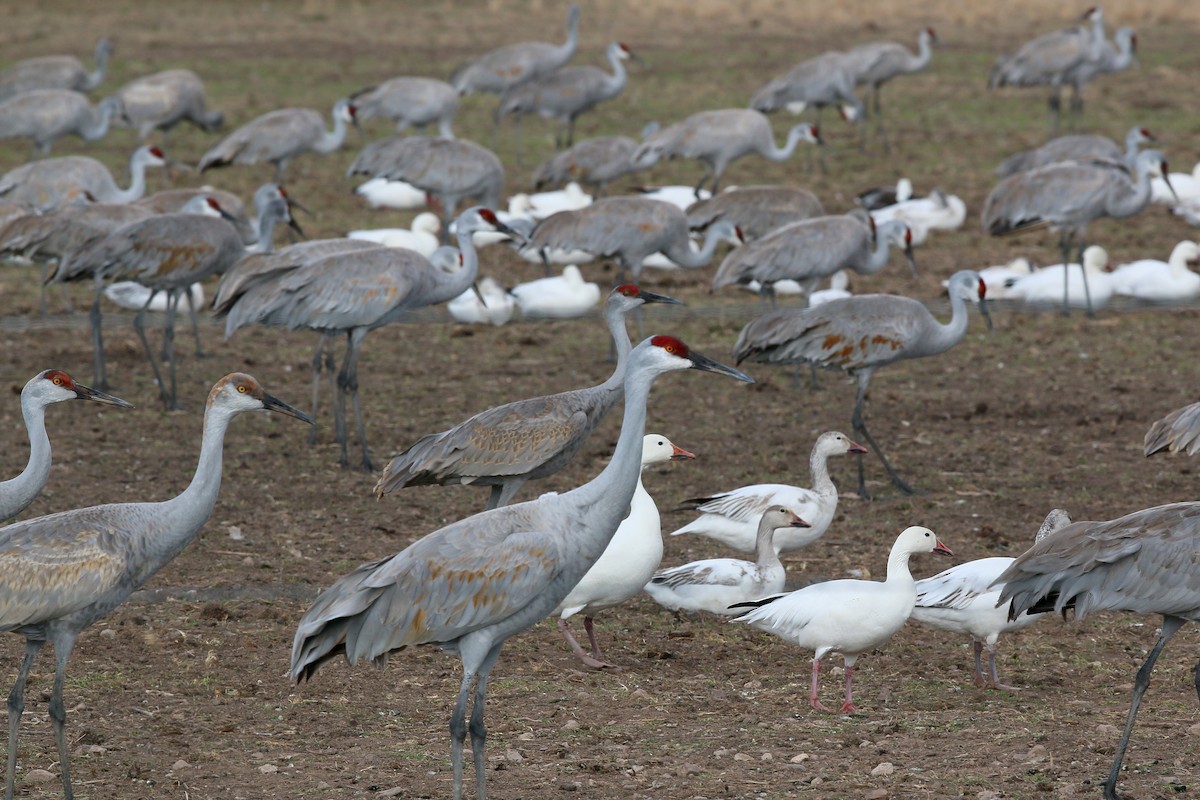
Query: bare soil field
x=182 y=692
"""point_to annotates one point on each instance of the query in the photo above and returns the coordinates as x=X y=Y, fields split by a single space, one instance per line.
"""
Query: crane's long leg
x=1087 y=292
x=169 y=342
x=139 y=325
x=348 y=383
x=324 y=343
x=63 y=645
x=192 y=312
x=709 y=169
x=98 y=374
x=1055 y=105
x=478 y=731
x=339 y=403
x=860 y=426
x=16 y=705
x=571 y=130
x=879 y=126
x=1141 y=683
x=503 y=494
x=458 y=731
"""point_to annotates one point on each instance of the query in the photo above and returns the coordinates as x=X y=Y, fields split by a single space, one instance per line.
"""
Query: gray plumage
x=1080 y=147
x=497 y=71
x=568 y=92
x=826 y=80
x=354 y=292
x=62 y=572
x=1115 y=56
x=471 y=585
x=875 y=63
x=280 y=136
x=54 y=72
x=54 y=181
x=45 y=115
x=593 y=162
x=1068 y=196
x=408 y=101
x=1144 y=562
x=814 y=249
x=172 y=201
x=42 y=390
x=859 y=335
x=164 y=99
x=510 y=444
x=628 y=229
x=718 y=138
x=1177 y=432
x=756 y=210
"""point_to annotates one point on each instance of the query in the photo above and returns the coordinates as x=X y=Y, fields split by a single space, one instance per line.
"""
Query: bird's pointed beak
x=703 y=362
x=293 y=202
x=641 y=62
x=170 y=162
x=910 y=258
x=798 y=523
x=679 y=454
x=983 y=309
x=294 y=225
x=479 y=294
x=1167 y=181
x=857 y=449
x=275 y=404
x=225 y=215
x=654 y=297
x=941 y=549
x=88 y=393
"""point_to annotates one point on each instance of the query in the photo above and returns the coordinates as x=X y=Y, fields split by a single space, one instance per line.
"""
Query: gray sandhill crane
x=64 y=571
x=1115 y=56
x=450 y=170
x=1049 y=59
x=497 y=71
x=1078 y=147
x=165 y=99
x=471 y=585
x=812 y=250
x=592 y=162
x=410 y=102
x=628 y=229
x=826 y=80
x=54 y=72
x=1177 y=432
x=44 y=389
x=173 y=201
x=718 y=138
x=45 y=115
x=860 y=334
x=876 y=63
x=165 y=253
x=280 y=136
x=510 y=444
x=50 y=183
x=1067 y=197
x=355 y=292
x=1143 y=562
x=756 y=210
x=566 y=93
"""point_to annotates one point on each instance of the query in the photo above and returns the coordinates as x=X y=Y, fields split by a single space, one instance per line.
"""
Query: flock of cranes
x=469 y=586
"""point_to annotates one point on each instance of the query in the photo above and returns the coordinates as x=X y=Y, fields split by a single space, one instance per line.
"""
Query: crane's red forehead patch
x=489 y=215
x=982 y=289
x=213 y=204
x=628 y=289
x=624 y=46
x=59 y=377
x=672 y=345
x=154 y=151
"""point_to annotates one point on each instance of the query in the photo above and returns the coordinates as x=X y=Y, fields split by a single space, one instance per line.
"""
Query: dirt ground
x=182 y=691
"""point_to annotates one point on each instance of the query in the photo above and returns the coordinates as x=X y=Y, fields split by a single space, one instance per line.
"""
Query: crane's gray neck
x=776 y=154
x=268 y=218
x=1132 y=202
x=942 y=337
x=685 y=256
x=332 y=140
x=613 y=84
x=614 y=315
x=445 y=127
x=1097 y=49
x=879 y=256
x=448 y=285
x=924 y=52
x=764 y=548
x=96 y=76
x=818 y=465
x=97 y=127
x=21 y=490
x=137 y=182
x=567 y=49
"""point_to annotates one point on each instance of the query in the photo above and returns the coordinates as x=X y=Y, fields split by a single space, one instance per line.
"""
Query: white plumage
x=1161 y=281
x=937 y=212
x=496 y=308
x=421 y=237
x=557 y=297
x=1046 y=285
x=569 y=198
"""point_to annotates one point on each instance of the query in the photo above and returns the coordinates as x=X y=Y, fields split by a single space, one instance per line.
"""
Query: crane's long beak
x=514 y=234
x=275 y=404
x=294 y=225
x=701 y=361
x=170 y=162
x=653 y=297
x=983 y=309
x=88 y=393
x=1167 y=181
x=679 y=454
x=639 y=60
x=912 y=261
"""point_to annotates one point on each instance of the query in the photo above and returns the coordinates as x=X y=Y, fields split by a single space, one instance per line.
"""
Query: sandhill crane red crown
x=52 y=182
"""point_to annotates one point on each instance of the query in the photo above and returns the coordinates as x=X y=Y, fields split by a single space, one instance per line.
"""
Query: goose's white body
x=937 y=212
x=133 y=295
x=382 y=193
x=495 y=309
x=838 y=283
x=1186 y=186
x=422 y=237
x=679 y=196
x=999 y=278
x=1046 y=285
x=1161 y=281
x=559 y=297
x=569 y=198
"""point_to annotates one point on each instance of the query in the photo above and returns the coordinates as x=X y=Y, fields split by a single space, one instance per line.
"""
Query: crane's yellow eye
x=241 y=388
x=58 y=381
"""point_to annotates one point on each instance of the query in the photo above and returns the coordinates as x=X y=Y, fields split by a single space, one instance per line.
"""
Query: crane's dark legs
x=139 y=325
x=16 y=706
x=860 y=427
x=1055 y=105
x=169 y=342
x=709 y=169
x=63 y=645
x=98 y=375
x=1141 y=683
x=324 y=343
x=879 y=126
x=459 y=728
x=191 y=303
x=571 y=130
x=502 y=494
x=348 y=384
x=1066 y=243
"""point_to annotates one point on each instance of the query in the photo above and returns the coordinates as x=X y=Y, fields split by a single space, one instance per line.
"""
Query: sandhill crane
x=280 y=136
x=354 y=292
x=165 y=99
x=592 y=162
x=172 y=201
x=630 y=559
x=54 y=72
x=1067 y=196
x=471 y=585
x=44 y=389
x=962 y=600
x=410 y=102
x=64 y=571
x=719 y=137
x=452 y=170
x=497 y=71
x=1177 y=432
x=846 y=617
x=1114 y=57
x=860 y=334
x=814 y=249
x=1078 y=147
x=826 y=80
x=756 y=210
x=49 y=183
x=505 y=446
x=876 y=63
x=1048 y=59
x=1143 y=562
x=568 y=92
x=628 y=229
x=45 y=115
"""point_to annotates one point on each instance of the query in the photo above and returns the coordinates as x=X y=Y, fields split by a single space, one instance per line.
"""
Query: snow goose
x=569 y=198
x=558 y=297
x=1186 y=186
x=421 y=237
x=1046 y=285
x=846 y=617
x=999 y=278
x=1161 y=281
x=679 y=196
x=382 y=193
x=715 y=584
x=133 y=295
x=878 y=197
x=631 y=557
x=839 y=283
x=732 y=517
x=962 y=600
x=496 y=306
x=937 y=212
